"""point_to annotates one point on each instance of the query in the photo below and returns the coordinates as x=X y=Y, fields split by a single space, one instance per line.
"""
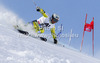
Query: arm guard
x=43 y=13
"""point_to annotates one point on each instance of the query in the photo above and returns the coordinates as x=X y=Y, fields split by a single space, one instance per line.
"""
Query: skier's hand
x=38 y=9
x=55 y=41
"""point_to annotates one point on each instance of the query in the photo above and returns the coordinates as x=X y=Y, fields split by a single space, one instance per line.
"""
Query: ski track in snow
x=18 y=48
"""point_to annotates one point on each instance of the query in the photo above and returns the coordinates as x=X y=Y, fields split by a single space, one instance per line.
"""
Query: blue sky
x=72 y=16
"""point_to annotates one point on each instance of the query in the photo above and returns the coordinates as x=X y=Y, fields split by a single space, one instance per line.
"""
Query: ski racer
x=46 y=22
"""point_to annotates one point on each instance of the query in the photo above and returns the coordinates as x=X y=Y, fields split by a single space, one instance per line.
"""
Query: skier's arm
x=41 y=11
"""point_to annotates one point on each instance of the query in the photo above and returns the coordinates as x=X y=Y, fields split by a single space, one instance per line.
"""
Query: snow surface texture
x=18 y=48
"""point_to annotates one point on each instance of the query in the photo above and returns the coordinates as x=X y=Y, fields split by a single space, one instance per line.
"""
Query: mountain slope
x=18 y=48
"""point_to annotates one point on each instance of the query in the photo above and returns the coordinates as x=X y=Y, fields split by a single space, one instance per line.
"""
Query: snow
x=18 y=48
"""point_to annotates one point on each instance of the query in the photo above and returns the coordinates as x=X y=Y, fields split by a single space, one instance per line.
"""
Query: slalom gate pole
x=82 y=41
x=93 y=41
x=93 y=38
x=83 y=34
x=85 y=18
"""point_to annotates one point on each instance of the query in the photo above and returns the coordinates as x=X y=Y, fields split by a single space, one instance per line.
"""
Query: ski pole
x=59 y=34
x=34 y=3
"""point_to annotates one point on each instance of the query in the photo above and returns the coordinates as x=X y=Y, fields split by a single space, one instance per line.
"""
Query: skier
x=46 y=22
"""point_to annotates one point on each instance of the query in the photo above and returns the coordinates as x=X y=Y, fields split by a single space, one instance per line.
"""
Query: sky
x=72 y=16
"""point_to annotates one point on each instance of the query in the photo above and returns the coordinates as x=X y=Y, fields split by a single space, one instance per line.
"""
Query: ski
x=26 y=33
x=23 y=32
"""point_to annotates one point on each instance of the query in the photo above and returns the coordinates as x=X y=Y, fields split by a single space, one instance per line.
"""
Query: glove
x=38 y=9
x=55 y=41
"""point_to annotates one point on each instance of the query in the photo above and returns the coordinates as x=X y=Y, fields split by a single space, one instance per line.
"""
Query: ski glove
x=55 y=41
x=38 y=9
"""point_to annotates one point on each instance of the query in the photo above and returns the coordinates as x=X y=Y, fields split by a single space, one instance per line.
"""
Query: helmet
x=55 y=17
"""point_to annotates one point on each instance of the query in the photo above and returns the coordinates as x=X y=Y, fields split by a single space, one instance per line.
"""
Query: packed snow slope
x=18 y=48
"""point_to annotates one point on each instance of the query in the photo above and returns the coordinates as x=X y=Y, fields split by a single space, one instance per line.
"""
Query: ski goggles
x=54 y=21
